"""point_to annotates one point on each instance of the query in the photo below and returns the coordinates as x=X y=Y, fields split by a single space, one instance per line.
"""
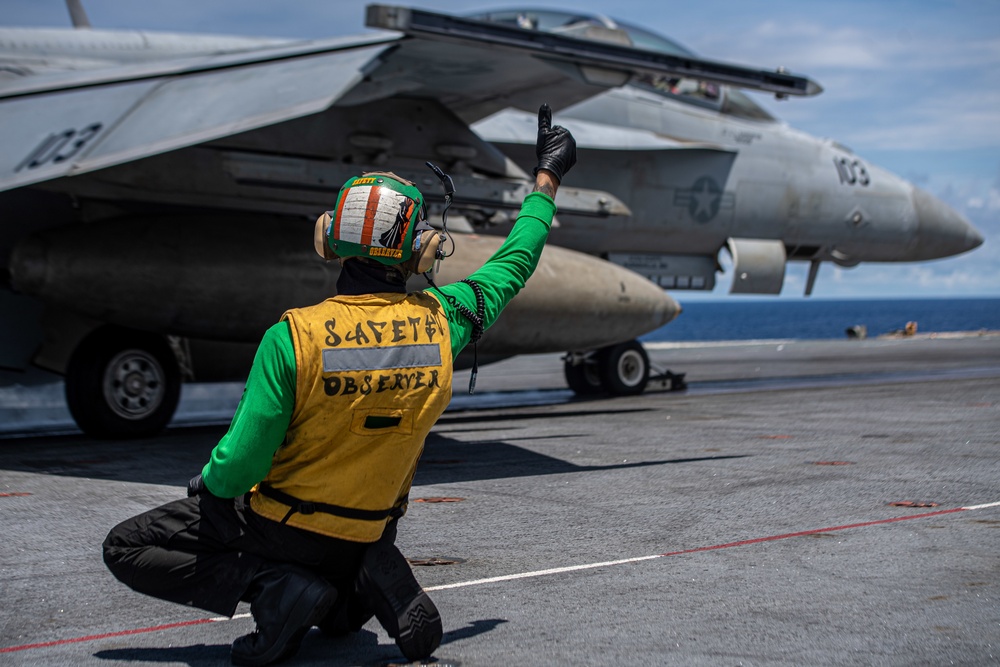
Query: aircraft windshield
x=700 y=93
x=548 y=20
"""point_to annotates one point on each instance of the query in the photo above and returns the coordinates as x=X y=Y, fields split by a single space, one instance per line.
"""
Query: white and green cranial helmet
x=376 y=217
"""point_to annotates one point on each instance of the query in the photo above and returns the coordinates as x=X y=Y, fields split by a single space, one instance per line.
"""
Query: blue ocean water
x=733 y=319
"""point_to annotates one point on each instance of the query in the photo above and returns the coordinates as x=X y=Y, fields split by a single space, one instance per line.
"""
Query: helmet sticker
x=393 y=237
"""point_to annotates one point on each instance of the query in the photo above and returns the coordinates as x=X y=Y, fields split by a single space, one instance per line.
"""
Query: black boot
x=387 y=585
x=348 y=615
x=285 y=601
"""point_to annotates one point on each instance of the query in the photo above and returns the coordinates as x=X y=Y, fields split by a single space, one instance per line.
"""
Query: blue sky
x=911 y=86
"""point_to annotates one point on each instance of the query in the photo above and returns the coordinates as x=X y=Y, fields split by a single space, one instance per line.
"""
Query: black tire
x=624 y=369
x=583 y=378
x=122 y=384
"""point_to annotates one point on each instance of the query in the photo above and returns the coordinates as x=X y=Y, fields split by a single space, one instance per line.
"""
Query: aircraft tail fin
x=77 y=14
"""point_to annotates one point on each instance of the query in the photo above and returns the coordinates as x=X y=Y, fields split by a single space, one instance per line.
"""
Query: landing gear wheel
x=624 y=369
x=122 y=384
x=583 y=378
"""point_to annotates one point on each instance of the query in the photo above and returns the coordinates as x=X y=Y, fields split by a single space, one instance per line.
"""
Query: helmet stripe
x=354 y=214
x=371 y=214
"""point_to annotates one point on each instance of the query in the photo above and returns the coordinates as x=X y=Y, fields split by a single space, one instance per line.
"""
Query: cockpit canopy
x=724 y=99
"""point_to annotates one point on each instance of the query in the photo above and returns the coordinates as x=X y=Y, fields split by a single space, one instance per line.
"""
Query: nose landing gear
x=617 y=370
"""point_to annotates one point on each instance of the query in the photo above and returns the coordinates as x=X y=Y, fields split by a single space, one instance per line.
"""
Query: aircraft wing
x=74 y=122
x=478 y=68
x=68 y=123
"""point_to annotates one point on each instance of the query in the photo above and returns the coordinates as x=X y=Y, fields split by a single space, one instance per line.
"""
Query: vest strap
x=307 y=507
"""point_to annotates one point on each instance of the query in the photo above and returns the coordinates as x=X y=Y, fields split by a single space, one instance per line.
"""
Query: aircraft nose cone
x=973 y=238
x=941 y=231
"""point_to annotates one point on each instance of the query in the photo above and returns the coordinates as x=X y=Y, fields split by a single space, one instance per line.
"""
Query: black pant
x=204 y=552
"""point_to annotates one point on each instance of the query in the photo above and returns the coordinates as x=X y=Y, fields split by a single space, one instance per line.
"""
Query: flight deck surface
x=802 y=503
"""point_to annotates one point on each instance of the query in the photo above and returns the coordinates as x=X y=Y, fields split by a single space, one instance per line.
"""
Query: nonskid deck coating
x=774 y=559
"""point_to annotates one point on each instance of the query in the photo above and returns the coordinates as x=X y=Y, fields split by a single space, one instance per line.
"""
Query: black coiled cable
x=477 y=319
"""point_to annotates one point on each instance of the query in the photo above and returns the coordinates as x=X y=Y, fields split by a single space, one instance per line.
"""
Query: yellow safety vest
x=373 y=374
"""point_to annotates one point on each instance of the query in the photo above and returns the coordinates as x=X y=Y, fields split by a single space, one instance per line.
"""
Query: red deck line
x=108 y=635
x=784 y=536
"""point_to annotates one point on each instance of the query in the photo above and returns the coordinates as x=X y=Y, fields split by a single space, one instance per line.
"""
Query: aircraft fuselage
x=695 y=178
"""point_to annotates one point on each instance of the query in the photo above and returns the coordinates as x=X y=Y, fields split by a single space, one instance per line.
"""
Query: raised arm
x=506 y=272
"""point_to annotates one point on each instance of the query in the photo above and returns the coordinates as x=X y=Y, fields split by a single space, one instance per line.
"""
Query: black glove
x=555 y=148
x=196 y=486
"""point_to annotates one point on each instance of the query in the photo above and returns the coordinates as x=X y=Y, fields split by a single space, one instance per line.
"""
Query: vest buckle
x=306 y=508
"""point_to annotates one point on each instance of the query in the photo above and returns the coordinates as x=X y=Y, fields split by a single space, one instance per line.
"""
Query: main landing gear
x=618 y=370
x=122 y=383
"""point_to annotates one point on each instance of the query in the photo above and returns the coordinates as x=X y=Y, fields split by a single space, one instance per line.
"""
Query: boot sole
x=401 y=604
x=420 y=633
x=308 y=610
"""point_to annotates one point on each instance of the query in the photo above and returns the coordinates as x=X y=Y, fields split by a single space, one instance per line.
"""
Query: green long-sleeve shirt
x=243 y=456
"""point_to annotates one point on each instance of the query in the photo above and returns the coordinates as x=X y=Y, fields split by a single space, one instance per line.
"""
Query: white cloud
x=810 y=45
x=912 y=280
x=894 y=77
x=991 y=202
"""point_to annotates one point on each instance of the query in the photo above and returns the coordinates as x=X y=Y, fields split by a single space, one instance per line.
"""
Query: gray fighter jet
x=158 y=191
x=703 y=168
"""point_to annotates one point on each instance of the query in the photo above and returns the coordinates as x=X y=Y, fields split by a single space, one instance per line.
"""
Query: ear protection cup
x=428 y=251
x=321 y=237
